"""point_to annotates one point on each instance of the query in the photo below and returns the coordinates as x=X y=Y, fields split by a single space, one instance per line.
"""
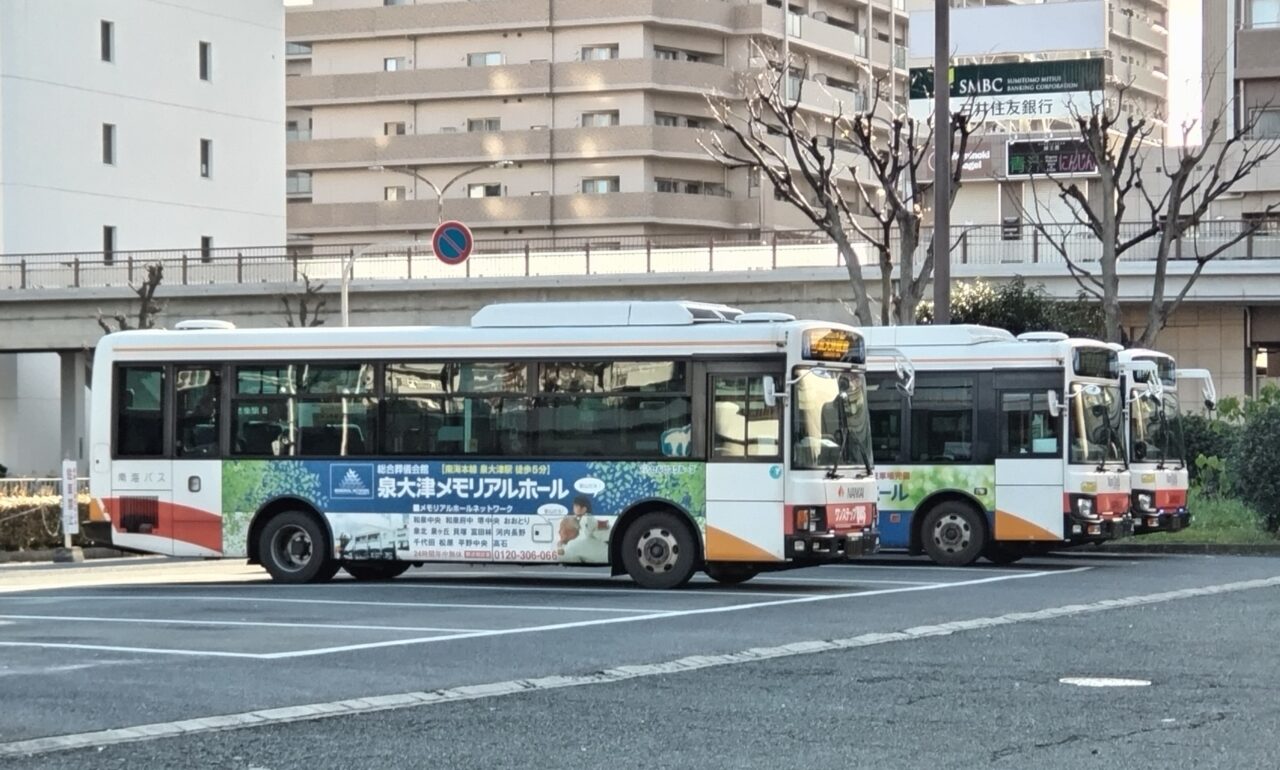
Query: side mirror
x=1055 y=406
x=1210 y=404
x=770 y=392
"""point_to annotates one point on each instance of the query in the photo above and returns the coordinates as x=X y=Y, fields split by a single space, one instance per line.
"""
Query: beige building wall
x=561 y=115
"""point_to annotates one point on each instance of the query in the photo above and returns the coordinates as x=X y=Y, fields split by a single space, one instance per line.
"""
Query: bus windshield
x=1157 y=431
x=831 y=428
x=1096 y=424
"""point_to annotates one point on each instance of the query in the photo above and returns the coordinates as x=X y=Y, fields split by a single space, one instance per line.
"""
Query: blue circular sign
x=452 y=242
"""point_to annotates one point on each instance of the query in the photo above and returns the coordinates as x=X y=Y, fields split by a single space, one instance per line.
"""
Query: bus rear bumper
x=827 y=547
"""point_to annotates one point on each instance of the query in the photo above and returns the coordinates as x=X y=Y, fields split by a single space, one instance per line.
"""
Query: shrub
x=1209 y=441
x=1019 y=308
x=1255 y=463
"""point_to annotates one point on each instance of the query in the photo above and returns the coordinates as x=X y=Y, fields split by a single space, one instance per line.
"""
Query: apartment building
x=129 y=124
x=565 y=118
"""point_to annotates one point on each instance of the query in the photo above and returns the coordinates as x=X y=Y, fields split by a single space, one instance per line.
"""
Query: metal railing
x=978 y=245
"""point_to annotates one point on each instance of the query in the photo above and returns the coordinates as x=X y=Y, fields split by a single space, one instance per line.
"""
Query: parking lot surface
x=875 y=664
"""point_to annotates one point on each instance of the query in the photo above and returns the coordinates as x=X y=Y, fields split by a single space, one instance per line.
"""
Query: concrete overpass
x=52 y=301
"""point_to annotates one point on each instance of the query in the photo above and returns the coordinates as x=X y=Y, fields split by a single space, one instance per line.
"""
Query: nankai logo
x=351 y=480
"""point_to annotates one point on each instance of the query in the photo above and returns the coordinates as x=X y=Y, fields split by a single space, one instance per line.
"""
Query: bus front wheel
x=658 y=551
x=293 y=549
x=953 y=534
x=382 y=571
x=730 y=574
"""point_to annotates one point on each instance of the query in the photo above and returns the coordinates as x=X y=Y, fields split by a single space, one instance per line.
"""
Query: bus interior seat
x=258 y=438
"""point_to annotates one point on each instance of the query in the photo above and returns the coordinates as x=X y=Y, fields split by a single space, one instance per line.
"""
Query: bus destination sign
x=833 y=345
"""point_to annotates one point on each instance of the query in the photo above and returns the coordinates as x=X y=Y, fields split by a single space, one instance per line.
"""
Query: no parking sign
x=452 y=242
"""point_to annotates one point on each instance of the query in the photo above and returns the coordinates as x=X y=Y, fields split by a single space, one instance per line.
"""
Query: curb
x=1218 y=549
x=47 y=555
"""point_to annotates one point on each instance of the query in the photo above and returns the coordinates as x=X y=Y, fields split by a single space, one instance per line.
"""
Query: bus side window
x=743 y=426
x=1025 y=425
x=885 y=402
x=198 y=393
x=140 y=403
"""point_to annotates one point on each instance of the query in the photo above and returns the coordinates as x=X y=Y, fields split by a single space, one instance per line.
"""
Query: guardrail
x=996 y=245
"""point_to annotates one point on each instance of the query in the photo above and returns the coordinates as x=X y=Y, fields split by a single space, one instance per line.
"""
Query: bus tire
x=953 y=534
x=658 y=551
x=1001 y=555
x=730 y=574
x=294 y=549
x=378 y=571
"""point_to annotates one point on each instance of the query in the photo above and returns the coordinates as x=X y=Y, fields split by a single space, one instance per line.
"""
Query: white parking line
x=621 y=673
x=855 y=581
x=706 y=590
x=345 y=602
x=237 y=623
x=659 y=615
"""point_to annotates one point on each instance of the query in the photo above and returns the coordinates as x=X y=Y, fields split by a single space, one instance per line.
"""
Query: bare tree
x=1150 y=194
x=796 y=151
x=310 y=305
x=148 y=307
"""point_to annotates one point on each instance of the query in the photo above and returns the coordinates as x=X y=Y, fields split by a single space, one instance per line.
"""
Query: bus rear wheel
x=730 y=574
x=383 y=571
x=293 y=548
x=658 y=551
x=953 y=534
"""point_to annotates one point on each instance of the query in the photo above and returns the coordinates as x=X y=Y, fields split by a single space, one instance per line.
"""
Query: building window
x=599 y=185
x=297 y=49
x=206 y=60
x=600 y=119
x=395 y=128
x=394 y=63
x=295 y=132
x=394 y=193
x=666 y=54
x=599 y=52
x=298 y=183
x=1264 y=13
x=206 y=248
x=107 y=31
x=108 y=244
x=486 y=59
x=206 y=158
x=484 y=190
x=484 y=124
x=109 y=144
x=395 y=2
x=1266 y=122
x=662 y=119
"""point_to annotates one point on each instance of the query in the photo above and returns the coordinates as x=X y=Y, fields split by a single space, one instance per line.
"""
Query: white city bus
x=1008 y=446
x=655 y=437
x=1157 y=448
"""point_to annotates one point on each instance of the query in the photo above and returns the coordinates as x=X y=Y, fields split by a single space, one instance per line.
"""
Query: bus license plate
x=846 y=516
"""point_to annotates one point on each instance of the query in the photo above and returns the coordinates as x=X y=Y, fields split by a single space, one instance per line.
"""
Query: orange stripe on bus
x=722 y=546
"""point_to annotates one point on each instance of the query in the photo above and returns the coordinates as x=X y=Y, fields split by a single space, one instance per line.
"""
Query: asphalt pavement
x=891 y=663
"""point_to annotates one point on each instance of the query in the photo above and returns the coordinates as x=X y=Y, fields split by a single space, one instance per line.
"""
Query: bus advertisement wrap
x=904 y=488
x=464 y=510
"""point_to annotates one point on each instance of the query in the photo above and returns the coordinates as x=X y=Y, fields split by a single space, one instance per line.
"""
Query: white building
x=124 y=125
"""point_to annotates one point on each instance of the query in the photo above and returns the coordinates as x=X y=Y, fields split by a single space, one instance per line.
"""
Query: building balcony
x=454 y=17
x=673 y=209
x=1140 y=31
x=1258 y=53
x=1141 y=78
x=478 y=147
x=510 y=80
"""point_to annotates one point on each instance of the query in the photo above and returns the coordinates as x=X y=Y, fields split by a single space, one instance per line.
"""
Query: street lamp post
x=440 y=191
x=349 y=263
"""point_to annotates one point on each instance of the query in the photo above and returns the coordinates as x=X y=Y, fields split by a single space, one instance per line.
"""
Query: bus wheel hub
x=658 y=550
x=951 y=533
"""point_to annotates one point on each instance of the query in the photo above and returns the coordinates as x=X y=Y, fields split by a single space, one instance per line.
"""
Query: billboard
x=981 y=31
x=1014 y=90
x=1025 y=158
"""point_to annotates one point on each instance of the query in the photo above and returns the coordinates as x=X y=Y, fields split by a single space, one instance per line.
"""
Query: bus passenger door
x=744 y=468
x=1029 y=468
x=197 y=465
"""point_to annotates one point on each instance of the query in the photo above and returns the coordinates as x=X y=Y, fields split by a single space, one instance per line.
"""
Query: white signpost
x=70 y=506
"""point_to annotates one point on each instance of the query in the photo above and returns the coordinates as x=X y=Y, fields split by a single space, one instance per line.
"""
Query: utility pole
x=941 y=162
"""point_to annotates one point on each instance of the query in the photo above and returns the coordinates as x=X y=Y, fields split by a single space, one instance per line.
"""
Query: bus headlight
x=1084 y=507
x=1144 y=503
x=808 y=519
